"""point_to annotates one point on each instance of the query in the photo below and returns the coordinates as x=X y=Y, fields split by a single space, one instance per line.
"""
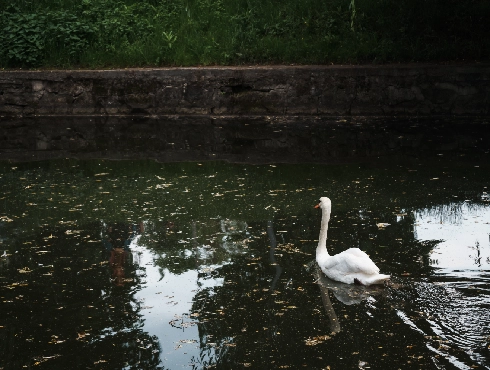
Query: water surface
x=144 y=265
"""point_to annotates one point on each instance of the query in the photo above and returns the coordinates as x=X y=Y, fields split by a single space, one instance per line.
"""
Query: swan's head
x=325 y=203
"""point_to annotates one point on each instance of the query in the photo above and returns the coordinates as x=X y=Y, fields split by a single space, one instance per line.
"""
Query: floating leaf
x=316 y=340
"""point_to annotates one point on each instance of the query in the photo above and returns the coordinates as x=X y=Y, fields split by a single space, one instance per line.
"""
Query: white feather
x=349 y=266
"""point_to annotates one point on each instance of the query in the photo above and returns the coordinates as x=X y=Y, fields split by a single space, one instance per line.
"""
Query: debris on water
x=317 y=340
x=362 y=364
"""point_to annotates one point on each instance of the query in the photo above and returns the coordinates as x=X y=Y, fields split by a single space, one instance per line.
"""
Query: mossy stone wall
x=412 y=90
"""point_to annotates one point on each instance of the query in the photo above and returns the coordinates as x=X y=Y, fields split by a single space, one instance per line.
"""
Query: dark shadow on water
x=272 y=256
x=241 y=139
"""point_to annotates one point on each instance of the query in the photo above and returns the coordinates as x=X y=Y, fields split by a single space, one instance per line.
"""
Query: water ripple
x=457 y=312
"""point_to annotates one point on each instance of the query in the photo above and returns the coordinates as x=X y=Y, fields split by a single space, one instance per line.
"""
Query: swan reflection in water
x=348 y=294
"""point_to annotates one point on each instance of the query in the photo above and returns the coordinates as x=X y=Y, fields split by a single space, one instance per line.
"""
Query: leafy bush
x=26 y=37
x=116 y=22
x=119 y=33
x=22 y=37
x=68 y=33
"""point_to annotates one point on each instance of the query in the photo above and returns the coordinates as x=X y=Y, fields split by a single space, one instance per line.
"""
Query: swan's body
x=351 y=266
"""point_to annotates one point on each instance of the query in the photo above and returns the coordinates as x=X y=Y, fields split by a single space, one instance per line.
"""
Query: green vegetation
x=130 y=33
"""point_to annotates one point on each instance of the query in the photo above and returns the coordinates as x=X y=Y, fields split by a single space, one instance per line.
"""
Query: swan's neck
x=322 y=239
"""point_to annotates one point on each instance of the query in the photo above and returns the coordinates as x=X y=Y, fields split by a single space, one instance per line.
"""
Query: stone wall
x=415 y=90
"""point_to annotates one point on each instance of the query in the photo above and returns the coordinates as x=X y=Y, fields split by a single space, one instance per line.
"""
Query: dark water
x=143 y=265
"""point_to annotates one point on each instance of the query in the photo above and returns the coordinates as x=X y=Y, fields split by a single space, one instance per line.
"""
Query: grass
x=130 y=33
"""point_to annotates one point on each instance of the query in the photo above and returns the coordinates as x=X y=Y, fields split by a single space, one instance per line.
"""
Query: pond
x=147 y=265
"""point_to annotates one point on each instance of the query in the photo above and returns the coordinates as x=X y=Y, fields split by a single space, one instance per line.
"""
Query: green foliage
x=22 y=37
x=26 y=38
x=116 y=22
x=119 y=33
x=66 y=32
x=170 y=38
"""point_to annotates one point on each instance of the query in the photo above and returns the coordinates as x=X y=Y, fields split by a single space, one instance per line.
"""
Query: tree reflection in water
x=63 y=311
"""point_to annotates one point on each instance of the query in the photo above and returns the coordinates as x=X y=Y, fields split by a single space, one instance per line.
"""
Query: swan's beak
x=318 y=205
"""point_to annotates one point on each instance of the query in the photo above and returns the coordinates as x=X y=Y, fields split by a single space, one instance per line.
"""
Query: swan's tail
x=375 y=279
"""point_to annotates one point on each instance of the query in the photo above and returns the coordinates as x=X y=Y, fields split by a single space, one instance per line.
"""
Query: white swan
x=352 y=266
